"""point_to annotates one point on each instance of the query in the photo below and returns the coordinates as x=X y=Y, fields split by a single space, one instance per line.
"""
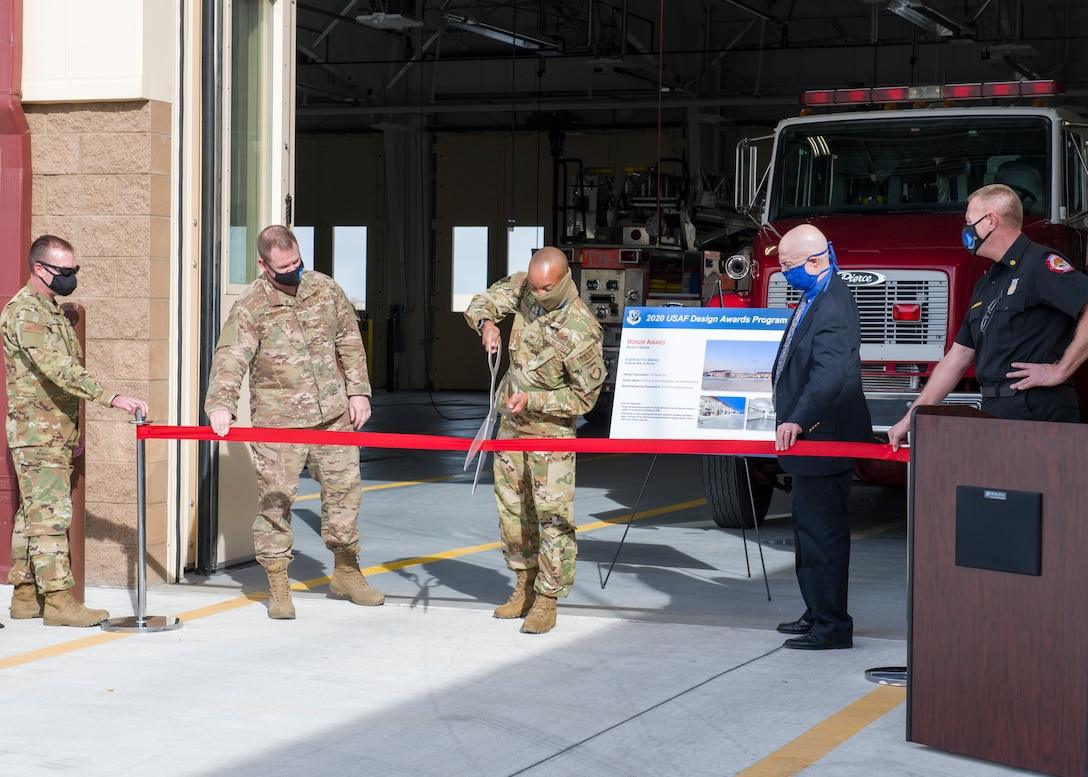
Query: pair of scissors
x=489 y=422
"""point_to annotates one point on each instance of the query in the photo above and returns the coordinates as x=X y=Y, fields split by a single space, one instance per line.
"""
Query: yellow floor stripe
x=99 y=638
x=644 y=514
x=221 y=607
x=403 y=563
x=820 y=740
x=403 y=483
x=411 y=562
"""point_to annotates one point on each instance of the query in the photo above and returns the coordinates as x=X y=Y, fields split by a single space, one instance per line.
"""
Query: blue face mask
x=799 y=279
x=803 y=281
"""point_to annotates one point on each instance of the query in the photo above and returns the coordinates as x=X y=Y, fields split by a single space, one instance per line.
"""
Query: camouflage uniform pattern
x=334 y=467
x=556 y=358
x=45 y=382
x=305 y=357
x=39 y=537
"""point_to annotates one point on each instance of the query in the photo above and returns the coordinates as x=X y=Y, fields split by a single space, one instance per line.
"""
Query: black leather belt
x=996 y=390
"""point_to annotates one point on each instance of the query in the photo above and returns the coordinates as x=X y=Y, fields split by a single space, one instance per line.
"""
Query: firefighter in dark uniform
x=1025 y=329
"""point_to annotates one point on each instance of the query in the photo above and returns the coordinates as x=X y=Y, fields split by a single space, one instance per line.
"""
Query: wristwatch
x=480 y=324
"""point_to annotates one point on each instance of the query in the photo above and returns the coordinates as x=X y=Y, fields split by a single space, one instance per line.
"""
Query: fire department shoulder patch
x=1055 y=263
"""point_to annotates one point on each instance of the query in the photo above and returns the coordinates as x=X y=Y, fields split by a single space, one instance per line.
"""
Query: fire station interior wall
x=103 y=50
x=480 y=179
x=485 y=179
x=339 y=182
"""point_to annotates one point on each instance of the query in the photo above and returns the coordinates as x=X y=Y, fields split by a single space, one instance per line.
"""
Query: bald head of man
x=804 y=243
x=548 y=265
x=550 y=278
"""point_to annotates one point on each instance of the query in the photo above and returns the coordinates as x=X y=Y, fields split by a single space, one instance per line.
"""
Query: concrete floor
x=672 y=668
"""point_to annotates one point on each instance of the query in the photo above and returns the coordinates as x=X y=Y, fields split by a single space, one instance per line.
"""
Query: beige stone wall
x=101 y=176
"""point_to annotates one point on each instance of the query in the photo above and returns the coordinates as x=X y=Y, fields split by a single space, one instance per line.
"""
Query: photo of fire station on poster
x=697 y=373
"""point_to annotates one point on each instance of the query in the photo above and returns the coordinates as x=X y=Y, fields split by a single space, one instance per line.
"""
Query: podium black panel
x=998 y=529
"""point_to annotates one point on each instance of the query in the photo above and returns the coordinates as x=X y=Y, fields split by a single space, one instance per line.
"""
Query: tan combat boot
x=26 y=602
x=541 y=618
x=63 y=609
x=521 y=600
x=279 y=606
x=349 y=583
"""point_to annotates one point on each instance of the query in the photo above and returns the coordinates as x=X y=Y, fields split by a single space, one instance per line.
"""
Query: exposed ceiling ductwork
x=461 y=63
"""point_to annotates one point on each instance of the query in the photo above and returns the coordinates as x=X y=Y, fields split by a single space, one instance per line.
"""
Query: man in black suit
x=818 y=396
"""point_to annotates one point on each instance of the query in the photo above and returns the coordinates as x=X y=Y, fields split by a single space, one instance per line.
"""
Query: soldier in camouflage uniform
x=45 y=382
x=296 y=334
x=556 y=372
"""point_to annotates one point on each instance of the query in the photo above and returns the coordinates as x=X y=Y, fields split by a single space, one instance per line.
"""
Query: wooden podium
x=998 y=659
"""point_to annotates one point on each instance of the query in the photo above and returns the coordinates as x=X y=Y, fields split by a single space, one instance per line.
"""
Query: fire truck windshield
x=920 y=163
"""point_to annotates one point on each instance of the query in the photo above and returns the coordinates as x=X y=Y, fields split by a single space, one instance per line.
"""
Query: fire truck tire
x=730 y=496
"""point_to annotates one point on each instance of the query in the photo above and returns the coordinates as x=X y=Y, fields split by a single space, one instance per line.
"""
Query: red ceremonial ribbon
x=430 y=442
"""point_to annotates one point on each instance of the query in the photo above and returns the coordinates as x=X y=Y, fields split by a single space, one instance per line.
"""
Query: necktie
x=781 y=364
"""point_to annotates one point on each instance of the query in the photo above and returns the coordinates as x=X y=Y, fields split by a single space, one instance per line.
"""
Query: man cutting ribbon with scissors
x=556 y=371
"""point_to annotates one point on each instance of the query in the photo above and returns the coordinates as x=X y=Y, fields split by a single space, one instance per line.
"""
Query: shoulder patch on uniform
x=587 y=357
x=229 y=335
x=1056 y=263
x=33 y=326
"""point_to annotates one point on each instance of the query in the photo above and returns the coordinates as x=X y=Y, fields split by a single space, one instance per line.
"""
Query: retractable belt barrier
x=858 y=450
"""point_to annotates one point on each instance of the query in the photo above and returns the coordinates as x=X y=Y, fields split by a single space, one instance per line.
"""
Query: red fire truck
x=889 y=189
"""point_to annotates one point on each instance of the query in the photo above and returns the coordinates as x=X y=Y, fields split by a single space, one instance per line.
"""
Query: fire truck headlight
x=738 y=266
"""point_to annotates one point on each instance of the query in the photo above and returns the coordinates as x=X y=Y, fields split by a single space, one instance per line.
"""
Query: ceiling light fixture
x=389 y=21
x=392 y=15
x=490 y=31
x=918 y=13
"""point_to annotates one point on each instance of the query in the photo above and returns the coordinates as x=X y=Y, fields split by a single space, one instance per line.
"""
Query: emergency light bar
x=891 y=94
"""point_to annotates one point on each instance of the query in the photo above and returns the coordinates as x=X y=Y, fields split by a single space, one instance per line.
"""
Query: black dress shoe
x=799 y=626
x=811 y=642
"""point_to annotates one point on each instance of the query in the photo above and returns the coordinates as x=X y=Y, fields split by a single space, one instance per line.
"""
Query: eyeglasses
x=985 y=322
x=806 y=259
x=62 y=271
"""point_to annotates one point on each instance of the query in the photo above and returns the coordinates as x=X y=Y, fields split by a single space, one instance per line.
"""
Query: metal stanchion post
x=141 y=621
x=897 y=675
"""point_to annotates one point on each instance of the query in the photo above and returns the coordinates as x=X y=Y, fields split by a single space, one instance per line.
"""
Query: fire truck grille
x=889 y=383
x=883 y=337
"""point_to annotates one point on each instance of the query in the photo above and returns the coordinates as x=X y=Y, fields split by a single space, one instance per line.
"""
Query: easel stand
x=141 y=622
x=743 y=535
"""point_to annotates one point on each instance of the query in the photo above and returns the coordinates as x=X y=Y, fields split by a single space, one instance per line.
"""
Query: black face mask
x=969 y=235
x=63 y=285
x=63 y=281
x=292 y=278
